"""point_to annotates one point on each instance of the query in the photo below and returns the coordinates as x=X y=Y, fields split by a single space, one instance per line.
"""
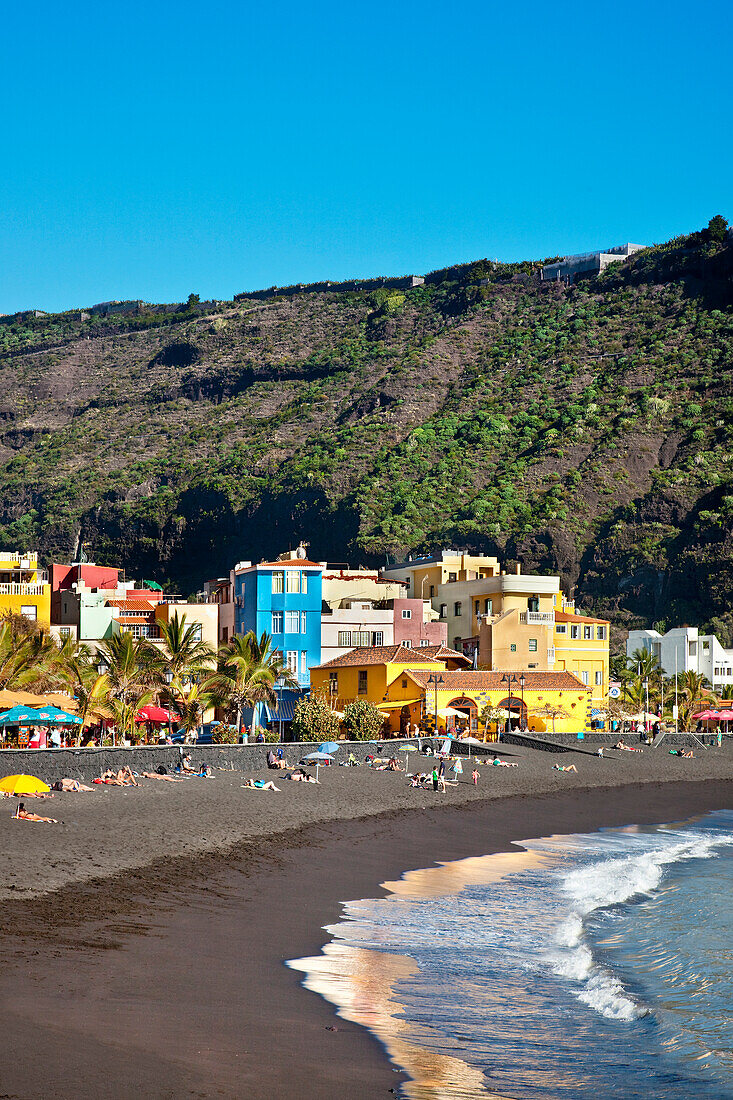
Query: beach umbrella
x=151 y=713
x=318 y=758
x=60 y=717
x=24 y=716
x=407 y=749
x=328 y=746
x=23 y=784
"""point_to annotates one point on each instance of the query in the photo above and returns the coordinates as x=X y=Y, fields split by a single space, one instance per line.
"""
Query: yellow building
x=512 y=620
x=24 y=588
x=406 y=684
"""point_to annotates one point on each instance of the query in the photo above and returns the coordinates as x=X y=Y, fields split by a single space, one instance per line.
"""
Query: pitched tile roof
x=468 y=679
x=442 y=652
x=381 y=655
x=566 y=617
x=131 y=605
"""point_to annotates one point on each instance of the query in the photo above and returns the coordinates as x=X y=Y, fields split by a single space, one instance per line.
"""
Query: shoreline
x=173 y=978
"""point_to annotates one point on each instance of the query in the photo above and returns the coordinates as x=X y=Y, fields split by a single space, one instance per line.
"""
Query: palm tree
x=26 y=657
x=192 y=705
x=183 y=654
x=693 y=693
x=77 y=671
x=131 y=674
x=248 y=671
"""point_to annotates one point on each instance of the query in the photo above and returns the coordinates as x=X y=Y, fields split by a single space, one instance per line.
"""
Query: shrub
x=314 y=720
x=363 y=721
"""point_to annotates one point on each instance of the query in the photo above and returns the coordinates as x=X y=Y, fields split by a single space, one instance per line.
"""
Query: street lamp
x=433 y=679
x=522 y=682
x=646 y=705
x=168 y=677
x=102 y=669
x=509 y=680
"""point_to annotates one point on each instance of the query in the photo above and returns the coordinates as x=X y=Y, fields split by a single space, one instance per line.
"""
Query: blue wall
x=256 y=602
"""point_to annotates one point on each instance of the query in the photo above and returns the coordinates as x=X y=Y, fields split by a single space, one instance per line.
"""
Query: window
x=599 y=679
x=693 y=649
x=303 y=627
x=64 y=632
x=443 y=610
x=292 y=580
x=587 y=633
x=452 y=577
x=574 y=631
x=561 y=628
x=532 y=666
x=584 y=678
x=533 y=603
x=432 y=589
x=303 y=662
x=277 y=582
x=362 y=681
x=424 y=641
x=345 y=637
x=456 y=643
x=407 y=643
x=532 y=645
x=361 y=637
x=404 y=683
x=601 y=633
x=406 y=613
x=333 y=683
x=197 y=632
x=513 y=648
x=377 y=637
x=705 y=646
x=292 y=661
x=477 y=606
x=304 y=583
x=30 y=611
x=225 y=634
x=292 y=622
x=457 y=608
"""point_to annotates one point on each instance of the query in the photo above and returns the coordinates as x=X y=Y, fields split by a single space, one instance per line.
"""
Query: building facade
x=684 y=649
x=510 y=620
x=24 y=587
x=282 y=599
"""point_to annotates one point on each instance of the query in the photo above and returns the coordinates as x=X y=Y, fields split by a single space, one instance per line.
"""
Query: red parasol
x=152 y=713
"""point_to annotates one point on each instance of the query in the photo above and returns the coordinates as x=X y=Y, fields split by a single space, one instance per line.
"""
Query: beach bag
x=161 y=769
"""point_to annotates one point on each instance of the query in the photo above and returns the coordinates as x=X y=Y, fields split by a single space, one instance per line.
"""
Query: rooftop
x=382 y=655
x=468 y=679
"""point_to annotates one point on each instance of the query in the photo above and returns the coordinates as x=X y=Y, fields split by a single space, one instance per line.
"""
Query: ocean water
x=583 y=966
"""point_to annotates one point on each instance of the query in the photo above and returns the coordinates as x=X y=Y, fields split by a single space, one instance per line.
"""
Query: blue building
x=283 y=599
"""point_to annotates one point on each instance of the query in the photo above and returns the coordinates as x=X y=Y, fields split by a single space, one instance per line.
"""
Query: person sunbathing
x=301 y=776
x=187 y=766
x=121 y=778
x=156 y=775
x=392 y=765
x=70 y=785
x=26 y=815
x=274 y=762
x=564 y=768
x=687 y=753
x=627 y=748
x=497 y=763
x=260 y=785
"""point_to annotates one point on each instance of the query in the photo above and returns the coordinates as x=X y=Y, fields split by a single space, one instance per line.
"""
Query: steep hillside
x=584 y=429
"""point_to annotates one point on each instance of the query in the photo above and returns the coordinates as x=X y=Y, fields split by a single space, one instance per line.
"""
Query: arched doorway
x=517 y=716
x=464 y=707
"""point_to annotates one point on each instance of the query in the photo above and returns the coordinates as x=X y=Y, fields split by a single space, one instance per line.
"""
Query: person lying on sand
x=26 y=815
x=156 y=775
x=687 y=753
x=627 y=748
x=70 y=785
x=122 y=778
x=260 y=785
x=497 y=763
x=564 y=768
x=300 y=776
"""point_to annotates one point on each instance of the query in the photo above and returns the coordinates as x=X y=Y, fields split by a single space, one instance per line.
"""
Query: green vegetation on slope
x=584 y=429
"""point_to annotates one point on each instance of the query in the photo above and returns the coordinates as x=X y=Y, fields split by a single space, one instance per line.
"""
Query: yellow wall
x=21 y=586
x=378 y=678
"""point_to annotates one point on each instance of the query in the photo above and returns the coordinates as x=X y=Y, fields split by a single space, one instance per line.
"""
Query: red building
x=413 y=628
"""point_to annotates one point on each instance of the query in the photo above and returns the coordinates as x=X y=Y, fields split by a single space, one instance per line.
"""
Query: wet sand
x=144 y=940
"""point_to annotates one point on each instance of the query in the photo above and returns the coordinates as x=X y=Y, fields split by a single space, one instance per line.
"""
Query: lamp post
x=646 y=705
x=522 y=682
x=169 y=680
x=102 y=669
x=509 y=680
x=279 y=686
x=433 y=679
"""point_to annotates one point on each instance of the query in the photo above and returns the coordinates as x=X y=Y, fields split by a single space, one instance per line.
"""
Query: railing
x=8 y=555
x=19 y=589
x=537 y=618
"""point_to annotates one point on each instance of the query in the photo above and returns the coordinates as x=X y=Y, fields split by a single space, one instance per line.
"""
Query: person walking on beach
x=474 y=777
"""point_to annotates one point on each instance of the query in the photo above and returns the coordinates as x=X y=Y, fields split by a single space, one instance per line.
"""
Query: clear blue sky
x=151 y=150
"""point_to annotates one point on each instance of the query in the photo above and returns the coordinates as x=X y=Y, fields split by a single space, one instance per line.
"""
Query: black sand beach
x=144 y=939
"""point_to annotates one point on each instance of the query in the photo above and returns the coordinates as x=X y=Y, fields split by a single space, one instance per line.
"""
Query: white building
x=590 y=263
x=354 y=623
x=684 y=649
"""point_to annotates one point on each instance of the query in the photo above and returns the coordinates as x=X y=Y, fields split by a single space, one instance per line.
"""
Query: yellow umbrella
x=23 y=784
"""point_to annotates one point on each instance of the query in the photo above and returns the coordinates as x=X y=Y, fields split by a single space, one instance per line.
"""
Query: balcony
x=17 y=588
x=537 y=618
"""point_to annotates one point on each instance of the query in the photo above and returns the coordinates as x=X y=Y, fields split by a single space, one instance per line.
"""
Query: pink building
x=416 y=624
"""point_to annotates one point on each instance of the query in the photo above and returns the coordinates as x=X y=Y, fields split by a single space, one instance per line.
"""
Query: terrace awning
x=398 y=703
